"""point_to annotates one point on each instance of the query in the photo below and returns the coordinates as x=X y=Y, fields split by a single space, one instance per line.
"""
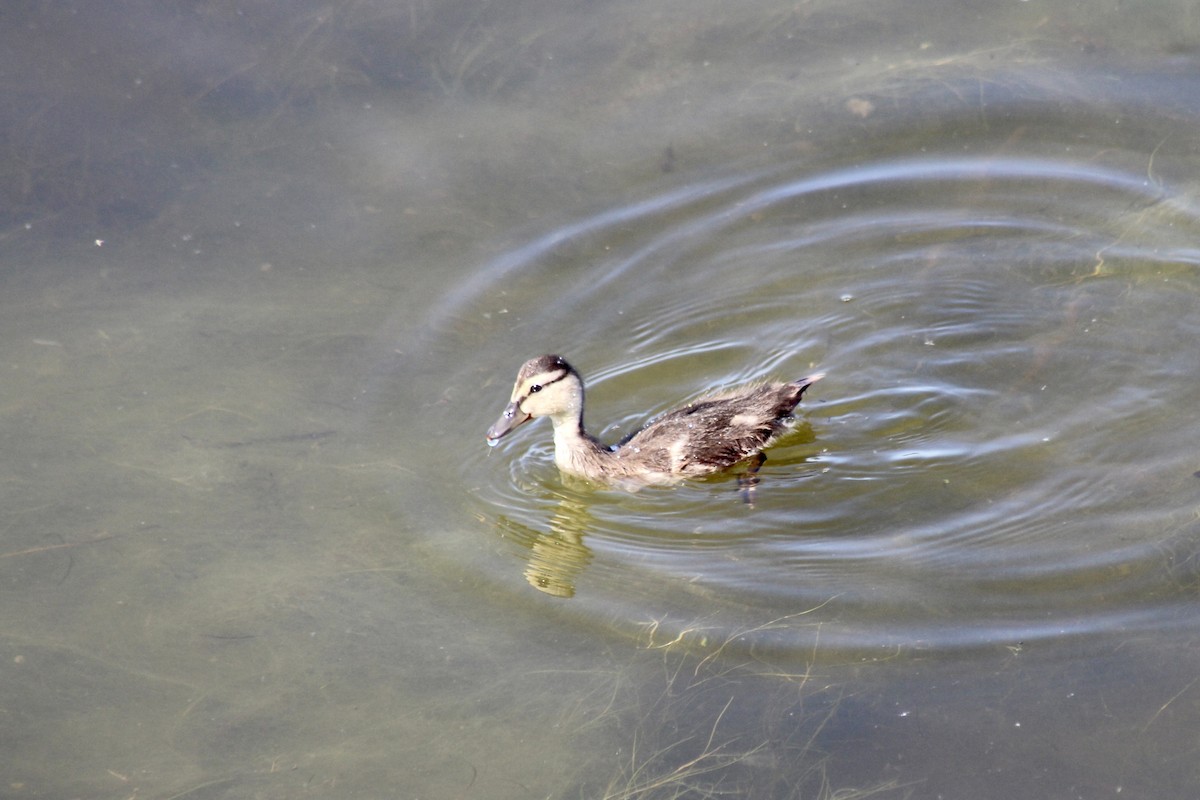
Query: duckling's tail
x=803 y=384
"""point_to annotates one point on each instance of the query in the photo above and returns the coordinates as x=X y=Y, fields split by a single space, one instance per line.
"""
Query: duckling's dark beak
x=512 y=417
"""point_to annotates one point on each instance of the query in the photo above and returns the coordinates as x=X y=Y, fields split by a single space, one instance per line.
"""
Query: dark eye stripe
x=537 y=387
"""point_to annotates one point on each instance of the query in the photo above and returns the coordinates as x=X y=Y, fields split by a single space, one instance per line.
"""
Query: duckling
x=708 y=435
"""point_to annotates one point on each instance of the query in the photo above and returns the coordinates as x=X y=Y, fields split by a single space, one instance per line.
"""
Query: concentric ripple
x=995 y=456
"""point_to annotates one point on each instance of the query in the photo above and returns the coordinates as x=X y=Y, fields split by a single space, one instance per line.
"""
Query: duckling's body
x=708 y=435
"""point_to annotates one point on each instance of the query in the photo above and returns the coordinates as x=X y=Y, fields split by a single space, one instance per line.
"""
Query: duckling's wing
x=715 y=432
x=706 y=436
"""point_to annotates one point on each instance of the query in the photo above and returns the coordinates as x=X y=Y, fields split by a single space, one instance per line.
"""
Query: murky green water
x=268 y=274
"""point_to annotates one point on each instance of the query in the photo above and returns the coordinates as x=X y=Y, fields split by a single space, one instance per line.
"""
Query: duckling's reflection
x=558 y=555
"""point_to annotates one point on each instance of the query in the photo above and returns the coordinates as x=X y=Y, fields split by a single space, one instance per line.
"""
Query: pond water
x=268 y=276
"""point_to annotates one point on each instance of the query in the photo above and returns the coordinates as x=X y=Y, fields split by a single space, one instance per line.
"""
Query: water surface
x=268 y=276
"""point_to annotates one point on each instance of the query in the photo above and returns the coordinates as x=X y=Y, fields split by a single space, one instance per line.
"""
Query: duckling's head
x=547 y=386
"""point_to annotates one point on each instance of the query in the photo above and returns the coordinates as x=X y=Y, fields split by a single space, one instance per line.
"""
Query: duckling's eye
x=537 y=387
